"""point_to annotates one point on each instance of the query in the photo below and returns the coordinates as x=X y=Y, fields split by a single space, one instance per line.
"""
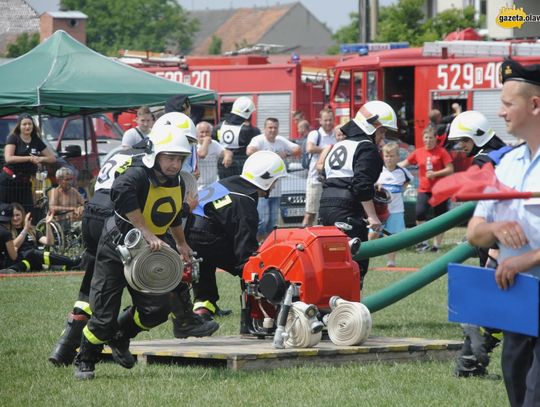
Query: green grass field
x=33 y=311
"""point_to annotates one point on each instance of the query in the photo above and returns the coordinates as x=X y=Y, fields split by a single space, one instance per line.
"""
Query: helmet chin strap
x=157 y=168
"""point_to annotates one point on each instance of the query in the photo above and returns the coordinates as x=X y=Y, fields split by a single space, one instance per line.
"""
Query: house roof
x=17 y=17
x=235 y=27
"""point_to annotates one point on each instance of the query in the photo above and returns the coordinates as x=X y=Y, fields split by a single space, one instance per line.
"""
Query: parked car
x=292 y=205
x=102 y=136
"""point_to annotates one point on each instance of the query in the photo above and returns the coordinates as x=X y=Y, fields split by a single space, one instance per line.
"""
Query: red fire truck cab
x=415 y=80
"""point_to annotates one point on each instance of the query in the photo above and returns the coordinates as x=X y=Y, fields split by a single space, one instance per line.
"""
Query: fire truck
x=279 y=85
x=416 y=80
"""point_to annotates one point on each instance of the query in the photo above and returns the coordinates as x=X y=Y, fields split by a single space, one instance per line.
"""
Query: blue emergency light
x=365 y=48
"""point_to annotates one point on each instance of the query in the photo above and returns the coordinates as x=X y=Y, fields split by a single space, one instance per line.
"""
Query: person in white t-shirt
x=316 y=141
x=145 y=121
x=394 y=179
x=209 y=152
x=270 y=141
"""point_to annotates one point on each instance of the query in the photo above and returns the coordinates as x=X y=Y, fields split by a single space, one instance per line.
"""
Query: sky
x=334 y=14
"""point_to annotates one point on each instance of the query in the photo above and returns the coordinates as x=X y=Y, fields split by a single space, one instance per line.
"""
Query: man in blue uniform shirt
x=514 y=224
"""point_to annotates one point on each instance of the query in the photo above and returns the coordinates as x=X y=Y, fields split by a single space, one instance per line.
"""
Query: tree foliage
x=215 y=46
x=401 y=22
x=447 y=21
x=152 y=25
x=406 y=21
x=24 y=43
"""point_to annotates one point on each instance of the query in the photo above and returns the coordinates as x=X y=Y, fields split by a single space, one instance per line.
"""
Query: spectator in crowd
x=433 y=162
x=234 y=133
x=223 y=229
x=298 y=116
x=209 y=152
x=441 y=125
x=316 y=141
x=8 y=252
x=181 y=104
x=302 y=129
x=322 y=157
x=352 y=167
x=84 y=183
x=270 y=141
x=394 y=179
x=65 y=201
x=144 y=121
x=514 y=224
x=23 y=152
x=26 y=239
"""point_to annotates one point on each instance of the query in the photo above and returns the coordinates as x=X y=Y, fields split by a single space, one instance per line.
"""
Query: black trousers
x=521 y=369
x=106 y=290
x=33 y=260
x=215 y=253
x=93 y=222
x=331 y=214
x=16 y=190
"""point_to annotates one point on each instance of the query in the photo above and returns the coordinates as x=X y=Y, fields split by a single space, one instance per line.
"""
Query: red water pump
x=315 y=263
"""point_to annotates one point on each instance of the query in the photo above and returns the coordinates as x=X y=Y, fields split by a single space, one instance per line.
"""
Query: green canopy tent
x=62 y=77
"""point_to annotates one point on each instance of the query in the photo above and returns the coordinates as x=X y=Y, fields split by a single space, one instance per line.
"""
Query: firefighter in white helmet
x=177 y=119
x=98 y=209
x=234 y=133
x=148 y=197
x=223 y=229
x=475 y=136
x=352 y=168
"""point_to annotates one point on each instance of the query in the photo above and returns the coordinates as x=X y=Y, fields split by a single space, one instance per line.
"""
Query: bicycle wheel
x=73 y=243
x=57 y=232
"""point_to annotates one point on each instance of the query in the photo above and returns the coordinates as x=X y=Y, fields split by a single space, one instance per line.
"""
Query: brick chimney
x=72 y=22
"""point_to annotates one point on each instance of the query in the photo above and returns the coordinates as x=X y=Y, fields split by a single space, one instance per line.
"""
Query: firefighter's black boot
x=119 y=344
x=86 y=359
x=185 y=322
x=466 y=364
x=483 y=341
x=66 y=348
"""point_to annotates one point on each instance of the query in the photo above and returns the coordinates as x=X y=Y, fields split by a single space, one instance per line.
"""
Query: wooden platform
x=240 y=353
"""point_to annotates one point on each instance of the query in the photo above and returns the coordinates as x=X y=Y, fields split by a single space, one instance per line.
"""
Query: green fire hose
x=426 y=274
x=416 y=281
x=417 y=234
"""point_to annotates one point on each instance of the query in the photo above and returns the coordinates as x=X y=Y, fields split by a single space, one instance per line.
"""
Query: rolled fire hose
x=303 y=328
x=349 y=323
x=191 y=184
x=146 y=271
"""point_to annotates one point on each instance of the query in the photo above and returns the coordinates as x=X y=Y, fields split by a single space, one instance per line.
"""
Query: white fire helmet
x=376 y=114
x=263 y=168
x=177 y=119
x=243 y=107
x=473 y=125
x=167 y=139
